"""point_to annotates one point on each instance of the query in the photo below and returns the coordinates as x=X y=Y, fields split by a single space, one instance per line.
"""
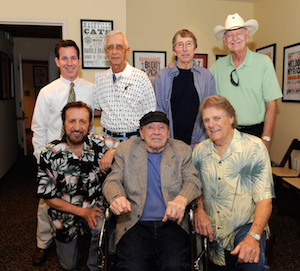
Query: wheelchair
x=199 y=244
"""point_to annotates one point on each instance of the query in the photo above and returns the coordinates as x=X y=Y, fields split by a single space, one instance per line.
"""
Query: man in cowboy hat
x=247 y=79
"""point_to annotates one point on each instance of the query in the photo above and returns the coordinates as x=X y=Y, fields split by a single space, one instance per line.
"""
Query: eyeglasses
x=180 y=45
x=234 y=81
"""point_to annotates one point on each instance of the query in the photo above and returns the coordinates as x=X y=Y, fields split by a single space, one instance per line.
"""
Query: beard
x=76 y=137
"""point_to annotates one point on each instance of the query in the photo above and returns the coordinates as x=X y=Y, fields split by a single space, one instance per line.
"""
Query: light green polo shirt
x=258 y=85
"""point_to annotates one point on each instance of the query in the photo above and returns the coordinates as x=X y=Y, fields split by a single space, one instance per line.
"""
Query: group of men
x=153 y=172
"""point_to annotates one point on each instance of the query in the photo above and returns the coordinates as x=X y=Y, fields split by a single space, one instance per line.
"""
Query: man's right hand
x=120 y=206
x=203 y=225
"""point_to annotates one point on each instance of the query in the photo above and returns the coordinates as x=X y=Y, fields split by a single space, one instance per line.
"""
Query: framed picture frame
x=92 y=43
x=40 y=76
x=150 y=62
x=291 y=73
x=219 y=56
x=6 y=78
x=201 y=60
x=270 y=51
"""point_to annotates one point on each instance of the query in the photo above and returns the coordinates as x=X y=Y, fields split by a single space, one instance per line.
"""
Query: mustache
x=235 y=42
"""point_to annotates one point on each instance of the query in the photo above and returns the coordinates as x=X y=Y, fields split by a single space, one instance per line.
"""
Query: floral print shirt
x=232 y=185
x=77 y=180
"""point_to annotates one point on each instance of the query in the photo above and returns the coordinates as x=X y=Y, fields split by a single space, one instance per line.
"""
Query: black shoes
x=39 y=256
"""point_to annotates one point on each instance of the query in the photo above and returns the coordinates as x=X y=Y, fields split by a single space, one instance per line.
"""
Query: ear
x=56 y=62
x=127 y=51
x=142 y=133
x=79 y=61
x=248 y=35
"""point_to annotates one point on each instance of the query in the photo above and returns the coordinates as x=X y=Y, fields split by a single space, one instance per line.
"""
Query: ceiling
x=33 y=31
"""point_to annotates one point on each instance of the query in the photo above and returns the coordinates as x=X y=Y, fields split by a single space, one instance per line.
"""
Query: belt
x=112 y=134
x=250 y=126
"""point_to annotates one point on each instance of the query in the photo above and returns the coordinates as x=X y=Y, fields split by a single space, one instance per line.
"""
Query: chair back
x=295 y=145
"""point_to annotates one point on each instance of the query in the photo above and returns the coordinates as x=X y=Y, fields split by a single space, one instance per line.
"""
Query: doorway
x=30 y=41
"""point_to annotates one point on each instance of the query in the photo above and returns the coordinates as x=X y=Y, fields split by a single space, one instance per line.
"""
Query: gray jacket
x=129 y=178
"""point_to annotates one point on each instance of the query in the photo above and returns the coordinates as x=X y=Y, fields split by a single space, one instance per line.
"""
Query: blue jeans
x=68 y=253
x=231 y=261
x=122 y=138
x=148 y=244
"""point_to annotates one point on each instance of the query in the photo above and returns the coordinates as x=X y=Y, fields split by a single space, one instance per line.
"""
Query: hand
x=170 y=65
x=120 y=206
x=90 y=216
x=106 y=161
x=248 y=250
x=267 y=144
x=203 y=224
x=175 y=209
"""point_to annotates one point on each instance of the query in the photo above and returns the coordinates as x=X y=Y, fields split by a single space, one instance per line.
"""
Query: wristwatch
x=266 y=138
x=255 y=235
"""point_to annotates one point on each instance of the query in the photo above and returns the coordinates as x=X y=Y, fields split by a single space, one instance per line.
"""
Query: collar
x=247 y=61
x=85 y=147
x=195 y=68
x=67 y=82
x=125 y=73
x=235 y=144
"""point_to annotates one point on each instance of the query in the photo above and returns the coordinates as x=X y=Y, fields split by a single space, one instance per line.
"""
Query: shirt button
x=218 y=212
x=220 y=162
x=219 y=178
x=218 y=195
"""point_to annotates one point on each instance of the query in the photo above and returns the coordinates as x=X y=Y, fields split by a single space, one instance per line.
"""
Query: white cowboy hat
x=232 y=22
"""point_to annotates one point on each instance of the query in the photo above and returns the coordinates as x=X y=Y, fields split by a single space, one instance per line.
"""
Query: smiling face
x=116 y=51
x=155 y=135
x=185 y=50
x=68 y=63
x=76 y=124
x=218 y=124
x=236 y=40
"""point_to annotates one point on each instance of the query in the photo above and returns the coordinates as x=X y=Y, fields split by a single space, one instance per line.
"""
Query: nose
x=114 y=50
x=69 y=61
x=156 y=131
x=77 y=126
x=184 y=48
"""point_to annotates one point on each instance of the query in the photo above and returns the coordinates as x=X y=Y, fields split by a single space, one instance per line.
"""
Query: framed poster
x=270 y=51
x=291 y=73
x=40 y=76
x=150 y=62
x=201 y=60
x=92 y=43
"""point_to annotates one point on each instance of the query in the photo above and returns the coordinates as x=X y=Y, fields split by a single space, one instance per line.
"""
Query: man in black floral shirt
x=70 y=181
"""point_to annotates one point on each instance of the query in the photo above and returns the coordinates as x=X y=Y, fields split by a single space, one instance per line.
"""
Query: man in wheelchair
x=152 y=181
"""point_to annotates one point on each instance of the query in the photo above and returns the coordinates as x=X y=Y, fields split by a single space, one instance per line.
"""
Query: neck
x=221 y=147
x=76 y=148
x=185 y=66
x=238 y=57
x=118 y=68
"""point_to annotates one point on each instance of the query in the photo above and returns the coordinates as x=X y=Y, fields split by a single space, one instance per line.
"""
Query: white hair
x=115 y=32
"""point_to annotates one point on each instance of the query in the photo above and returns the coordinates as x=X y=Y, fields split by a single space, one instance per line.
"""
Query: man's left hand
x=90 y=216
x=175 y=210
x=248 y=250
x=106 y=161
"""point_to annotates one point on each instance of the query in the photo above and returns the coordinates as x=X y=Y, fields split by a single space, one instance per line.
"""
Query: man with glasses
x=181 y=89
x=247 y=79
x=123 y=93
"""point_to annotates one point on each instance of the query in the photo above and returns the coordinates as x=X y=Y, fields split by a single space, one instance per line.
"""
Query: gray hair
x=115 y=32
x=184 y=33
x=220 y=102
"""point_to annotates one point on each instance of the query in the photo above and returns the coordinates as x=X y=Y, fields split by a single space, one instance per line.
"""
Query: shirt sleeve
x=39 y=125
x=46 y=178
